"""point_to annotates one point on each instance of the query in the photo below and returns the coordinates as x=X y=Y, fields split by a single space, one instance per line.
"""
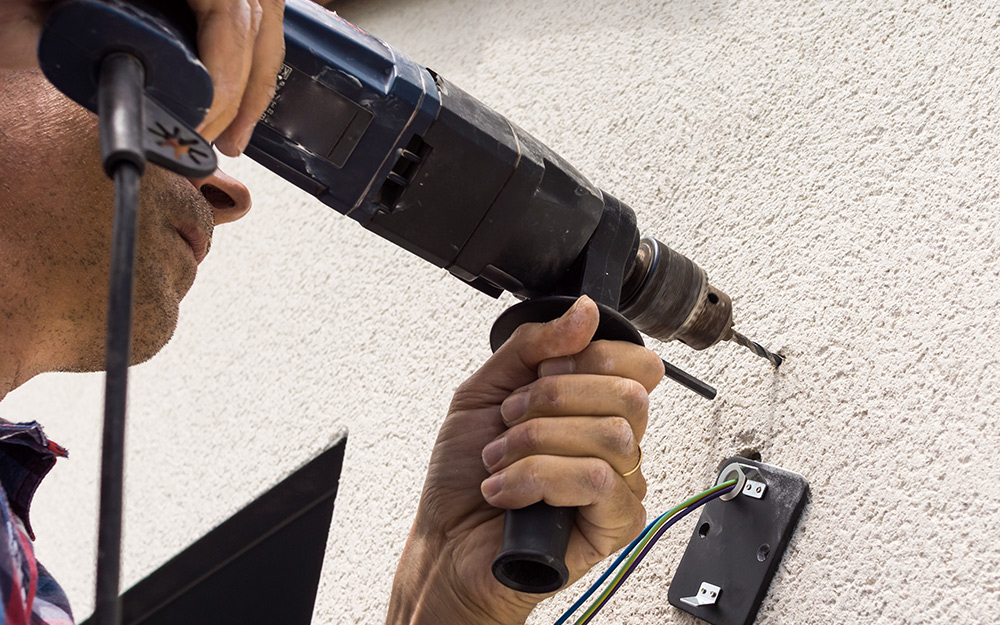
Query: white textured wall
x=834 y=166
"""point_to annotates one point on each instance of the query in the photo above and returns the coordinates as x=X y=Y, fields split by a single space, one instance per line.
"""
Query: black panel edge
x=312 y=484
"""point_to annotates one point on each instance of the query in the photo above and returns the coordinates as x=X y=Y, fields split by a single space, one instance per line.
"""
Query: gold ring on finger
x=637 y=464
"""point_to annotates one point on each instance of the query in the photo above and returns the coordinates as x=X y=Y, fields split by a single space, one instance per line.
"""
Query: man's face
x=55 y=210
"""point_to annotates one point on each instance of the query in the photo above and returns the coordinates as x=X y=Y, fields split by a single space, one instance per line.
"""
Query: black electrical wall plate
x=737 y=545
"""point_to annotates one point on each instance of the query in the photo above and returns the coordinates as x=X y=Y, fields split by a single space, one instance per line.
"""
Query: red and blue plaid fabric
x=29 y=594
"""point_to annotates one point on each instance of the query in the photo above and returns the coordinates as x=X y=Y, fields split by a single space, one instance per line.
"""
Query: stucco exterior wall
x=833 y=166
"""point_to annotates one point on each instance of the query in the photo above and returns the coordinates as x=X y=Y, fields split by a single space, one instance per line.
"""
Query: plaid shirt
x=28 y=593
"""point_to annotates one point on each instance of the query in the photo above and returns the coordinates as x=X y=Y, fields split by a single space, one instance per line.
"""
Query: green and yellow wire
x=633 y=554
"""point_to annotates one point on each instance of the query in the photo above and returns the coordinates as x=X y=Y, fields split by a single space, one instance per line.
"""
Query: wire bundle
x=632 y=555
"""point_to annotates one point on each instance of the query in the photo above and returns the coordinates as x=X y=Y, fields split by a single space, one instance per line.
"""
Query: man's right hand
x=241 y=43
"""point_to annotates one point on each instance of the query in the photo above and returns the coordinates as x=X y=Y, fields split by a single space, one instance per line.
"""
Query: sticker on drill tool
x=315 y=117
x=283 y=75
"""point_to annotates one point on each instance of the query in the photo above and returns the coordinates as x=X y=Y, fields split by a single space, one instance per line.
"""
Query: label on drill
x=314 y=117
x=283 y=74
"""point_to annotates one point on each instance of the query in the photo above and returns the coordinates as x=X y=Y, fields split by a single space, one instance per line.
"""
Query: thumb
x=516 y=362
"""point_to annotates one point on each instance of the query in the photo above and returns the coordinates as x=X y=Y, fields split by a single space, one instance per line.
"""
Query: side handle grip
x=533 y=555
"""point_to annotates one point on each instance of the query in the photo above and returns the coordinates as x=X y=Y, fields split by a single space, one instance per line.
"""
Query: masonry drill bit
x=756 y=348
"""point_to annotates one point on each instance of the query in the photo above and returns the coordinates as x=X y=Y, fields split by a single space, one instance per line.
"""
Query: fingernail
x=514 y=407
x=492 y=485
x=493 y=453
x=575 y=308
x=557 y=366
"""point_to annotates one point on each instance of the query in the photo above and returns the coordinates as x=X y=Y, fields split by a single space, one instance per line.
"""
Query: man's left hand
x=550 y=417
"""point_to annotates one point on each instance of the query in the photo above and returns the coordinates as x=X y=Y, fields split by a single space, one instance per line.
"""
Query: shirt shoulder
x=28 y=593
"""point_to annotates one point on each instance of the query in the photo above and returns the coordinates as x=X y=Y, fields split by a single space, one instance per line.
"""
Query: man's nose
x=230 y=200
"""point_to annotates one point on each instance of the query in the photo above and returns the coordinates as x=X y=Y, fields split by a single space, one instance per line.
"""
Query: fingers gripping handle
x=533 y=555
x=612 y=325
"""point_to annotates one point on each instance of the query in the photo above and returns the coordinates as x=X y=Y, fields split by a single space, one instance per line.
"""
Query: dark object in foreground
x=259 y=567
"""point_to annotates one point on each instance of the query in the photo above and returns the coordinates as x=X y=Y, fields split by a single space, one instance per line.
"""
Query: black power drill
x=420 y=162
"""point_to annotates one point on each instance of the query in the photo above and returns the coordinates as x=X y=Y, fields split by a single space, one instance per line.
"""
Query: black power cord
x=120 y=111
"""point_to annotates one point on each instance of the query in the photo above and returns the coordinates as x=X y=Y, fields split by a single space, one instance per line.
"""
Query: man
x=551 y=416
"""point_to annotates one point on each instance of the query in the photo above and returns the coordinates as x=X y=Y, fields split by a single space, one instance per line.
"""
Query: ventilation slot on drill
x=402 y=172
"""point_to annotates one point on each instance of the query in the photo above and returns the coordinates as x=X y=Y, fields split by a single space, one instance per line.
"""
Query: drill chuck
x=667 y=296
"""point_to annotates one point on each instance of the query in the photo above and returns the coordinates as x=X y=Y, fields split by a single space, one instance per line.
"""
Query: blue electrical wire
x=677 y=516
x=604 y=576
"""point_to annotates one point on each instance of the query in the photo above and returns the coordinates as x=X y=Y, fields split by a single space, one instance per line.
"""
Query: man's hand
x=241 y=43
x=550 y=417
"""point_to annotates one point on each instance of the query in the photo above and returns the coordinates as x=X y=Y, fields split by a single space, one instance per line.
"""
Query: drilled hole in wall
x=703 y=530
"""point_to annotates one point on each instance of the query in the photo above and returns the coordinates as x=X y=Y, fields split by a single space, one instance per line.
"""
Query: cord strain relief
x=120 y=110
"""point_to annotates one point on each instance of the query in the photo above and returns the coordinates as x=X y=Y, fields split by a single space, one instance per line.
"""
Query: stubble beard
x=163 y=274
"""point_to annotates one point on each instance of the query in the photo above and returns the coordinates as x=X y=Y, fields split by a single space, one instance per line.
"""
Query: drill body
x=411 y=157
x=417 y=160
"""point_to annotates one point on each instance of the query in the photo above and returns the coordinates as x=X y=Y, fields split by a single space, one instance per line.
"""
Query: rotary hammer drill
x=416 y=160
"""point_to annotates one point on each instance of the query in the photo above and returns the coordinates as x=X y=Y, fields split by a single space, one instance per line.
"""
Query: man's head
x=55 y=211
